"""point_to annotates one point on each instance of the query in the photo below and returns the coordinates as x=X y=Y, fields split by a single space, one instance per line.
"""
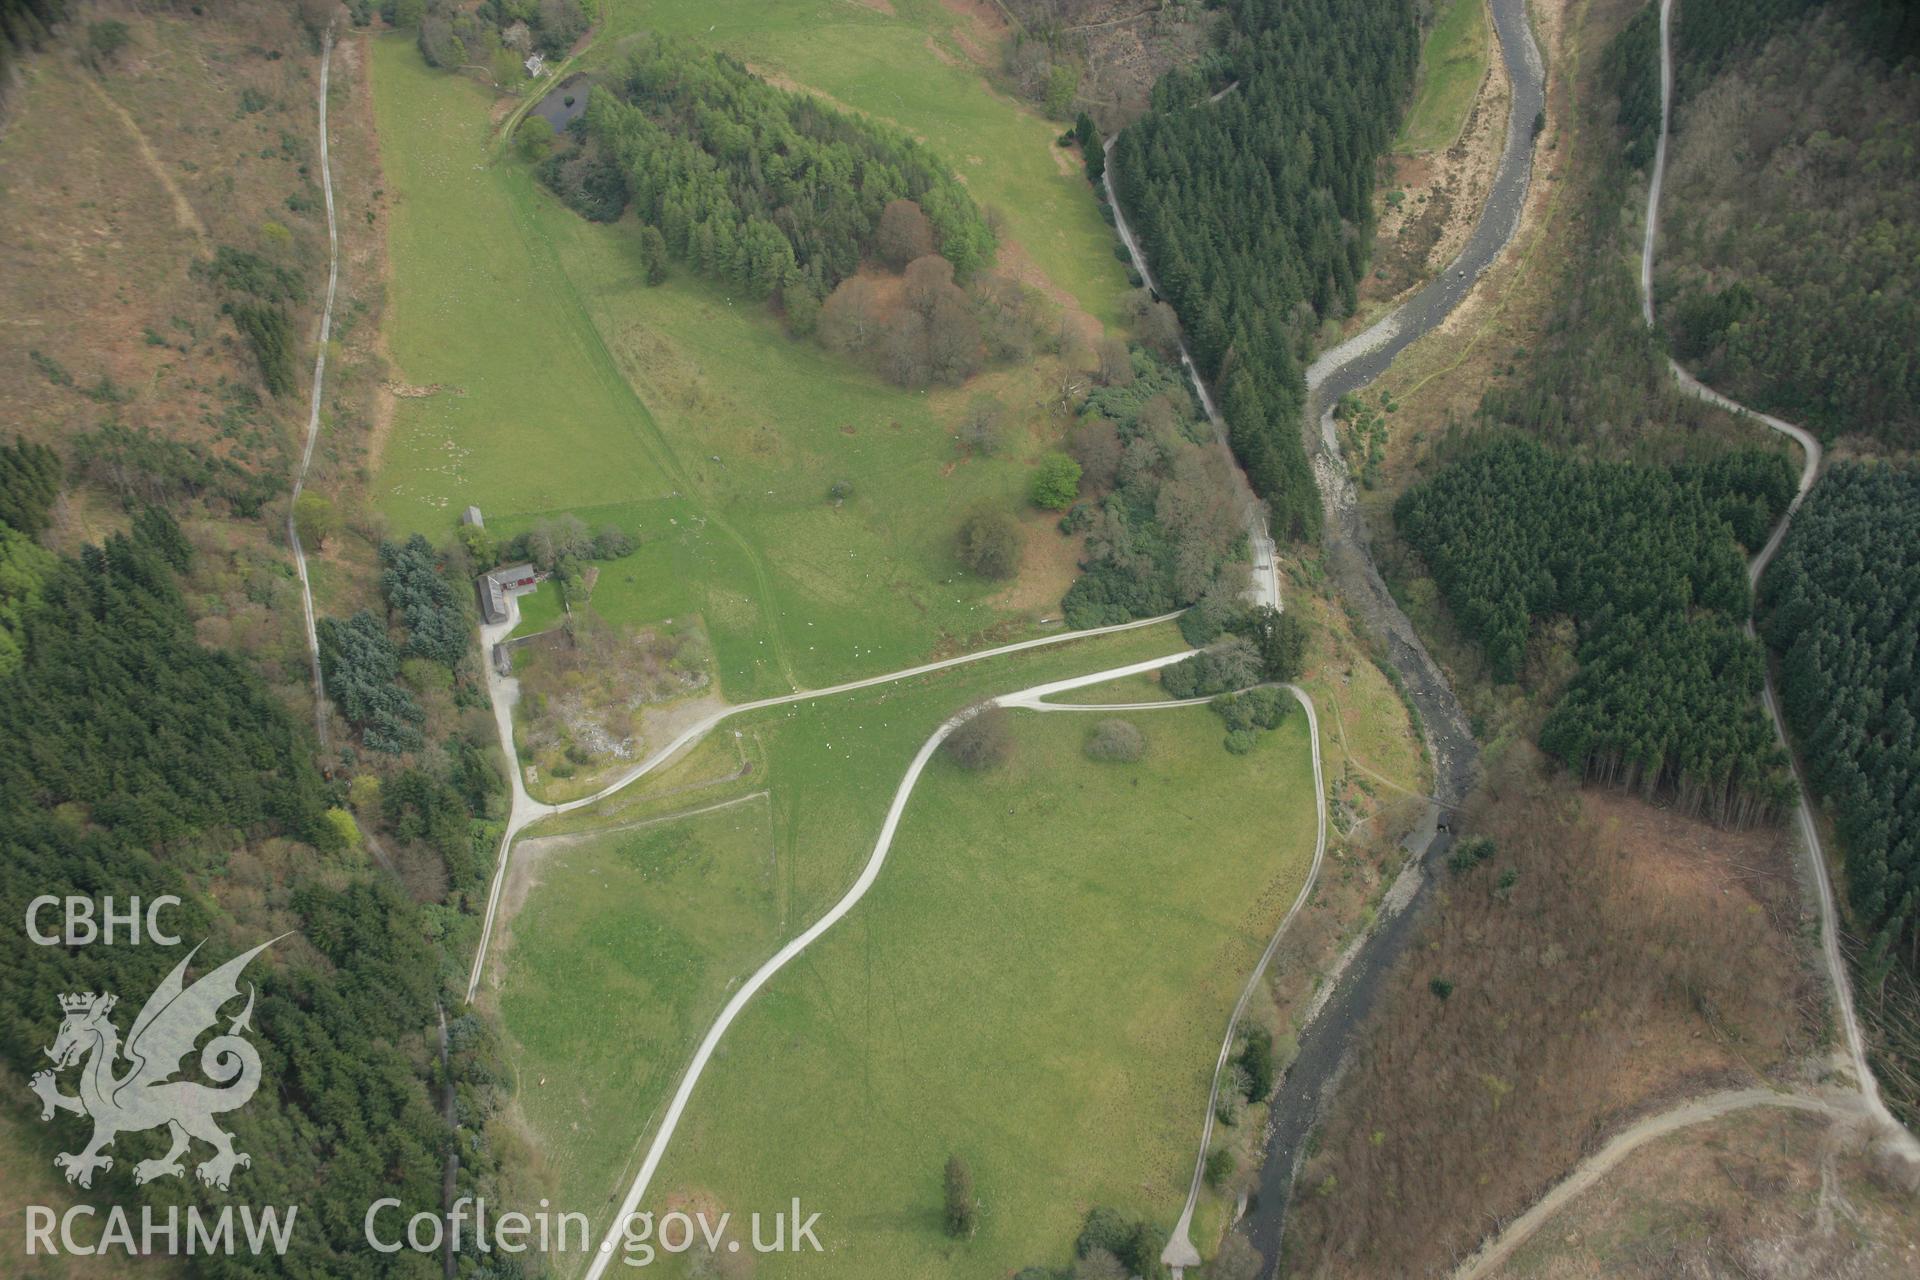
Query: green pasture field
x=1037 y=982
x=831 y=768
x=1452 y=63
x=525 y=313
x=530 y=415
x=637 y=932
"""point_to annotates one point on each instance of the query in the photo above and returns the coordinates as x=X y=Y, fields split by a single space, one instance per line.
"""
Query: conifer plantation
x=1840 y=605
x=1255 y=210
x=769 y=191
x=1647 y=562
x=141 y=763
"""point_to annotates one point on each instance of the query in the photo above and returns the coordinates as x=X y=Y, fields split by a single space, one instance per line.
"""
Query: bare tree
x=903 y=234
x=850 y=318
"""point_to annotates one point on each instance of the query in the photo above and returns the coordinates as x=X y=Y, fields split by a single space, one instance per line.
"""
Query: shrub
x=1220 y=1167
x=612 y=543
x=1056 y=482
x=1241 y=741
x=1118 y=741
x=963 y=1211
x=105 y=40
x=989 y=544
x=1440 y=987
x=1256 y=1059
x=983 y=741
x=1470 y=853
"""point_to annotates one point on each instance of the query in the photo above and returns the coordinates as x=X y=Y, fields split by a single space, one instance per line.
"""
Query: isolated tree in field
x=983 y=741
x=980 y=426
x=903 y=234
x=963 y=1211
x=989 y=544
x=315 y=520
x=1116 y=741
x=1056 y=482
x=1220 y=1167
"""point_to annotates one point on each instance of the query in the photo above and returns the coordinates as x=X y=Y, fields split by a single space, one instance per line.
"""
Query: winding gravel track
x=1816 y=858
x=1713 y=1106
x=505 y=691
x=1180 y=1251
x=1032 y=699
x=313 y=403
x=1502 y=1245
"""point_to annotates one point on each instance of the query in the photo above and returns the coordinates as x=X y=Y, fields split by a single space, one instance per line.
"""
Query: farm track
x=525 y=810
x=313 y=403
x=1032 y=699
x=1865 y=1098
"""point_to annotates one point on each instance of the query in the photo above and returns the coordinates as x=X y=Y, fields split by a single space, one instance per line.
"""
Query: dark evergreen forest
x=1647 y=562
x=139 y=763
x=772 y=192
x=1840 y=605
x=1256 y=210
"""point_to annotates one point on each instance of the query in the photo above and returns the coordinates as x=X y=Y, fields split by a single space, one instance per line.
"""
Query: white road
x=505 y=691
x=1180 y=1252
x=313 y=403
x=1029 y=699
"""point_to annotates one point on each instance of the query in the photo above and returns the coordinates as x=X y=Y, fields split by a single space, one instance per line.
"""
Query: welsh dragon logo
x=145 y=1095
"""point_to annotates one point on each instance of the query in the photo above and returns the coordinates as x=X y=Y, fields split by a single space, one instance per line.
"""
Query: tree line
x=1840 y=605
x=1647 y=562
x=1256 y=210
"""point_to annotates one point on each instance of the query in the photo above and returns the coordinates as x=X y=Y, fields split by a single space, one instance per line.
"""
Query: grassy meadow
x=558 y=383
x=829 y=769
x=1452 y=63
x=1086 y=925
